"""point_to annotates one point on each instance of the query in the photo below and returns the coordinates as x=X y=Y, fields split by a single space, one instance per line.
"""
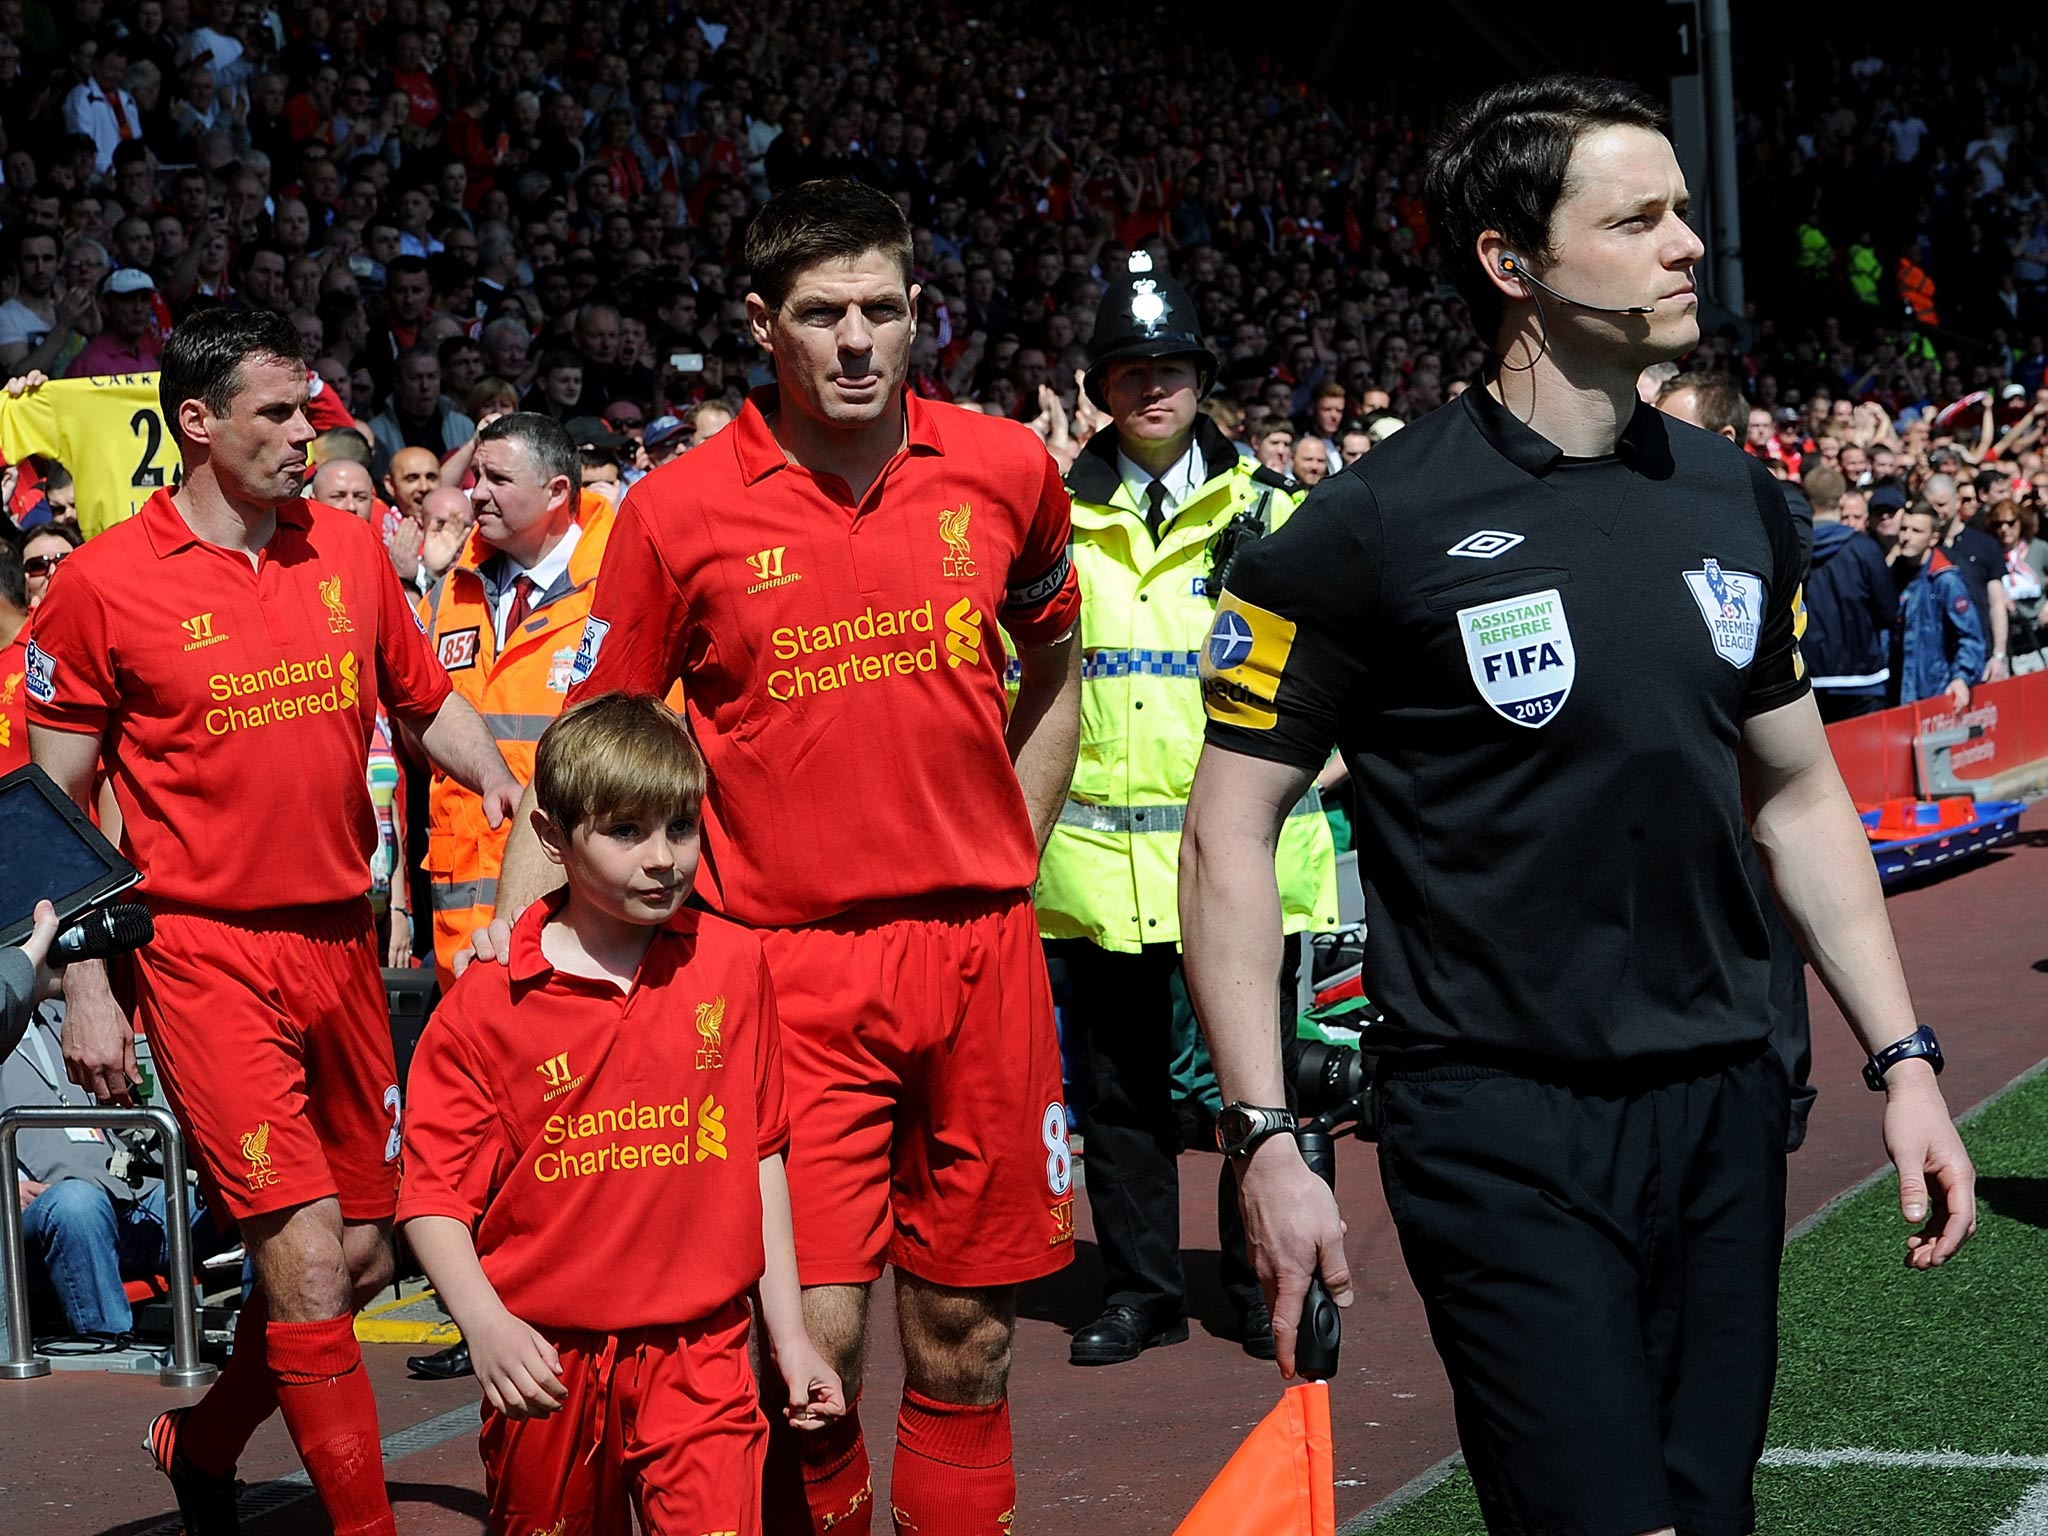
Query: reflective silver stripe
x=1126 y=819
x=461 y=895
x=518 y=727
x=1867 y=680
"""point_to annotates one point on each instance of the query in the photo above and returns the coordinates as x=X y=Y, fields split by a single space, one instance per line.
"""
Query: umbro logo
x=1486 y=544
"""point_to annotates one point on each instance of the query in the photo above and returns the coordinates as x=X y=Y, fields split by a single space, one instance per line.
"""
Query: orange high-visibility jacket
x=519 y=692
x=1917 y=289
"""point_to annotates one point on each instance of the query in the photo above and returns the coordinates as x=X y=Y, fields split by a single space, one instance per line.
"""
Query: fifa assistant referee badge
x=1920 y=1043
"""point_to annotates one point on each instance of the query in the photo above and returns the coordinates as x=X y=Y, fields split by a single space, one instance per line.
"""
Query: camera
x=1328 y=1077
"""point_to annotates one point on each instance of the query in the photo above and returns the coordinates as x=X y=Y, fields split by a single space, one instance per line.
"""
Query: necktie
x=120 y=118
x=1155 y=507
x=522 y=600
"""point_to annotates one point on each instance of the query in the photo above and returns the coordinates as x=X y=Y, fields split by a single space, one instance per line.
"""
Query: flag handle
x=1321 y=1331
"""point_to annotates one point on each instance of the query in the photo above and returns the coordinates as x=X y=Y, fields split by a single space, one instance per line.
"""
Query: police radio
x=1237 y=535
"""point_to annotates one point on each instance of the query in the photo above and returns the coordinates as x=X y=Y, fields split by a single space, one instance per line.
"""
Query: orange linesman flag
x=1282 y=1481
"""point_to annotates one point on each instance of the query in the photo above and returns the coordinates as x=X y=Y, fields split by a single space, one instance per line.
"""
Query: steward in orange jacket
x=1917 y=289
x=516 y=684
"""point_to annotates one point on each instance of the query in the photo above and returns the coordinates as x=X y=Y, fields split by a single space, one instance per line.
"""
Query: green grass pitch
x=1877 y=1359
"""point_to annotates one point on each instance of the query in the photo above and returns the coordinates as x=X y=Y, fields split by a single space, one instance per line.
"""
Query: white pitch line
x=2031 y=1518
x=1942 y=1461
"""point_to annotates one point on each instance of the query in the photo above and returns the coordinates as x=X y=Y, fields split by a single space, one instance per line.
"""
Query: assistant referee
x=1555 y=634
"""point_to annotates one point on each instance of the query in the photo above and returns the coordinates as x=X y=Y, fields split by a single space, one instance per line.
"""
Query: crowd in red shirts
x=471 y=204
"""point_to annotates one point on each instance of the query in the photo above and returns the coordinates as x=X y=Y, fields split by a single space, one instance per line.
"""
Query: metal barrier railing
x=22 y=1362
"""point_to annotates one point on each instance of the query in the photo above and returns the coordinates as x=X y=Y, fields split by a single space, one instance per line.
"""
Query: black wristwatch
x=1919 y=1043
x=1241 y=1127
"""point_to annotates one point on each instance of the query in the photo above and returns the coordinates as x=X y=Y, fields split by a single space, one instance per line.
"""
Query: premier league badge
x=1732 y=604
x=41 y=675
x=1521 y=656
x=594 y=631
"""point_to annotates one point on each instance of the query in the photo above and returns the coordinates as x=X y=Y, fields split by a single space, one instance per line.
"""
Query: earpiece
x=1511 y=266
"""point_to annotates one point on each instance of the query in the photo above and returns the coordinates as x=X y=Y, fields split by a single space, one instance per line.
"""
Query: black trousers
x=1120 y=1013
x=1598 y=1258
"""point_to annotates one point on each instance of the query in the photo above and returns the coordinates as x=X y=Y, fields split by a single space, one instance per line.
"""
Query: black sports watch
x=1240 y=1127
x=1920 y=1043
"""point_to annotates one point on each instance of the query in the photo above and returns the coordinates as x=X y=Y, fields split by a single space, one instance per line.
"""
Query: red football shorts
x=272 y=1038
x=665 y=1420
x=923 y=1072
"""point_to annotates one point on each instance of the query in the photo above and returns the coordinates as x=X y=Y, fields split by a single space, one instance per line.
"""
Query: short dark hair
x=1717 y=401
x=403 y=266
x=1501 y=162
x=549 y=447
x=13 y=579
x=203 y=355
x=821 y=221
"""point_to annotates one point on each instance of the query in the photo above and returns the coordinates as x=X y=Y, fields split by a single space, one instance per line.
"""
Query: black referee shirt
x=1538 y=668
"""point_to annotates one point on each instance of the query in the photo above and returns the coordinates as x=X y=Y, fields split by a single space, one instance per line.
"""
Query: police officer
x=1555 y=633
x=1159 y=503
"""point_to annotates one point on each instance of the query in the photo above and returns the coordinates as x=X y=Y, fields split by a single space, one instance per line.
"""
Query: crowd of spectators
x=470 y=206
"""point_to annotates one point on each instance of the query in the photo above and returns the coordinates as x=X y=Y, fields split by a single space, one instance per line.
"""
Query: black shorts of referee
x=1598 y=1254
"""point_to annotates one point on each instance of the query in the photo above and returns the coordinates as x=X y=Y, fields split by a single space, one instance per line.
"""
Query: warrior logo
x=559 y=1080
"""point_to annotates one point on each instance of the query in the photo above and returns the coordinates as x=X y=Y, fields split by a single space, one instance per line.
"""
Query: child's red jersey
x=604 y=1146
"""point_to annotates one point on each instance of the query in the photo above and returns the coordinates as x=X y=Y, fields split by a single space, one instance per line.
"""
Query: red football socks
x=953 y=1475
x=241 y=1398
x=332 y=1415
x=816 y=1480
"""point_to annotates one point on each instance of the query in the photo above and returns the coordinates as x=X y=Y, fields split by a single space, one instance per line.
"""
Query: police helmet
x=1145 y=314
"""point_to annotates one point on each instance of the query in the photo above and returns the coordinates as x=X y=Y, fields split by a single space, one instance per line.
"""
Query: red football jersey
x=840 y=663
x=572 y=1125
x=14 y=702
x=234 y=700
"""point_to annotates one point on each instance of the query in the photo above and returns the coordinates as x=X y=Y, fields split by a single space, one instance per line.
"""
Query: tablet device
x=49 y=849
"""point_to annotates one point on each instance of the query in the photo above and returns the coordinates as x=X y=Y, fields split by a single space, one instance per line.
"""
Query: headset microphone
x=1511 y=266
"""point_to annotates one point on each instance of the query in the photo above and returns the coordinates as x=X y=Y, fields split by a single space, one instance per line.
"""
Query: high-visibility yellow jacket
x=519 y=691
x=1815 y=256
x=1111 y=871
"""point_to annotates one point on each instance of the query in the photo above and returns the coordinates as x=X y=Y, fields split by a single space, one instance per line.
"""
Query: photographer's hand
x=99 y=1044
x=49 y=983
